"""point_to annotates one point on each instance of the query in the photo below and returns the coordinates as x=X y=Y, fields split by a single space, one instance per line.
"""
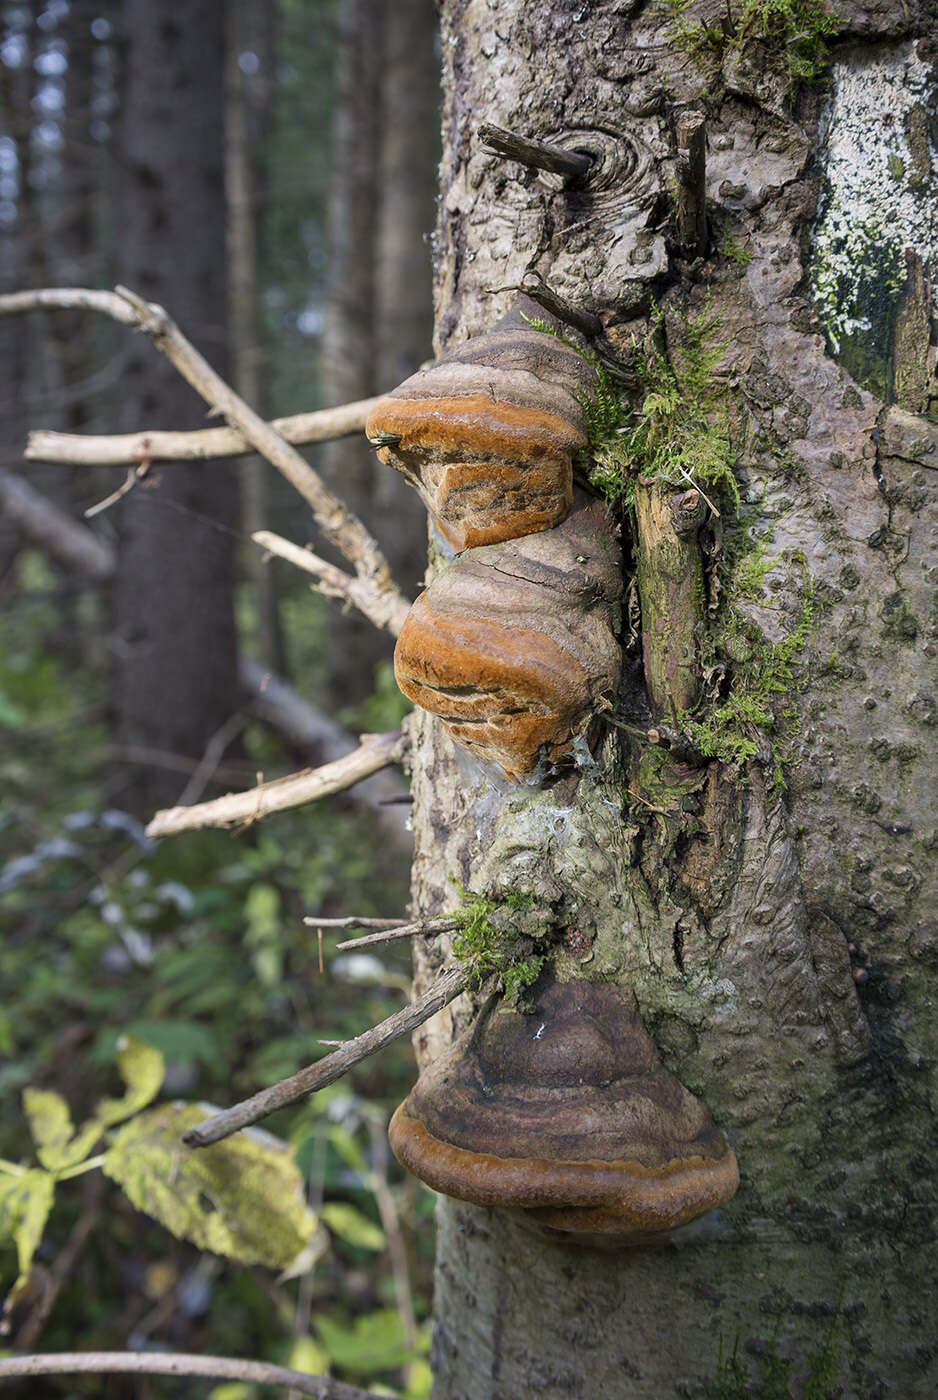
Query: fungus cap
x=514 y=646
x=569 y=1115
x=487 y=435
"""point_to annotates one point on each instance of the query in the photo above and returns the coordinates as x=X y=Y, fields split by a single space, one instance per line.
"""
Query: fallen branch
x=376 y=751
x=331 y=581
x=378 y=596
x=150 y=1363
x=54 y=531
x=355 y=921
x=421 y=928
x=327 y=1071
x=202 y=445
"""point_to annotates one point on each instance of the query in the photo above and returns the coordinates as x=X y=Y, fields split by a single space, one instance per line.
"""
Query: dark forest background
x=265 y=169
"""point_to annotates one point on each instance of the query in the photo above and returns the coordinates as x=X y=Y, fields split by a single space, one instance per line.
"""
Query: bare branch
x=331 y=581
x=327 y=1071
x=53 y=530
x=151 y=1363
x=376 y=751
x=205 y=444
x=421 y=928
x=387 y=606
x=355 y=921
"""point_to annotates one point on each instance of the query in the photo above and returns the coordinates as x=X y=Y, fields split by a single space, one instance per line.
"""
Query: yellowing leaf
x=242 y=1197
x=51 y=1126
x=308 y=1356
x=25 y=1202
x=353 y=1227
x=141 y=1068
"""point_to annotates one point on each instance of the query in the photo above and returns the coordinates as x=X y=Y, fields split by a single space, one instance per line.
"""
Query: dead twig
x=377 y=595
x=202 y=445
x=421 y=928
x=376 y=751
x=332 y=582
x=230 y=1368
x=327 y=1071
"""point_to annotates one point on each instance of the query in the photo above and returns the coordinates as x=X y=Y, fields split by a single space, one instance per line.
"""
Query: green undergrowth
x=493 y=940
x=794 y=35
x=680 y=432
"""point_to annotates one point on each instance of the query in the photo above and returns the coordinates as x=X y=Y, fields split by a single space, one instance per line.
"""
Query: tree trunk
x=175 y=643
x=780 y=943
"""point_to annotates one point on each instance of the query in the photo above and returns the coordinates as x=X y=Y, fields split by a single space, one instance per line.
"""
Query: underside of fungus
x=567 y=1115
x=488 y=434
x=514 y=646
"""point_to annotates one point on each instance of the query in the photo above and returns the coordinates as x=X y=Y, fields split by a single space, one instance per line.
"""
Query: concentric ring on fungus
x=569 y=1116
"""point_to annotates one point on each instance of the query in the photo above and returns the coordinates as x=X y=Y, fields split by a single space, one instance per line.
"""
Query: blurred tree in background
x=209 y=157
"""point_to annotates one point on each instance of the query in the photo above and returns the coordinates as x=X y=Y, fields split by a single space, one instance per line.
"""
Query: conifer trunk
x=781 y=942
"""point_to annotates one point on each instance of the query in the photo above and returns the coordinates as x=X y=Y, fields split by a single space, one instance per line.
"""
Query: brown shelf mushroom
x=569 y=1116
x=487 y=435
x=514 y=645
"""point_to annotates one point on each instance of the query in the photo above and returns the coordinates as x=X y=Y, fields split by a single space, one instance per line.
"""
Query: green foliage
x=793 y=34
x=489 y=942
x=370 y=1344
x=680 y=432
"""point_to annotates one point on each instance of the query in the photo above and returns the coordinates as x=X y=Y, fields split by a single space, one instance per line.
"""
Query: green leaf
x=142 y=1069
x=50 y=1123
x=242 y=1197
x=308 y=1356
x=25 y=1202
x=348 y=1149
x=353 y=1227
x=375 y=1342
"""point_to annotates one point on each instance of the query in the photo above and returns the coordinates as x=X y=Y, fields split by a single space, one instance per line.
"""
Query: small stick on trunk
x=540 y=155
x=423 y=928
x=671 y=589
x=327 y=1071
x=375 y=752
x=690 y=134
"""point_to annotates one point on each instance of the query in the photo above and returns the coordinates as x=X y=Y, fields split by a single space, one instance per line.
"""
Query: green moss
x=896 y=167
x=750 y=720
x=733 y=250
x=793 y=34
x=767 y=1375
x=489 y=941
x=680 y=431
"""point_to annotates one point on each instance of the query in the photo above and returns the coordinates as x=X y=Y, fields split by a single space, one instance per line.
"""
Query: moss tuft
x=680 y=431
x=793 y=34
x=490 y=943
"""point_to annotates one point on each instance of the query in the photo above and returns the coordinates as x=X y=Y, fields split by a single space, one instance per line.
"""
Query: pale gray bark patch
x=880 y=199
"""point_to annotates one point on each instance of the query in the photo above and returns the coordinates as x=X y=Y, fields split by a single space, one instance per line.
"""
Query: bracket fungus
x=514 y=646
x=487 y=434
x=568 y=1116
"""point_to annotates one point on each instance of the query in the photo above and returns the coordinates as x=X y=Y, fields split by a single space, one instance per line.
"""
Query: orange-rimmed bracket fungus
x=487 y=435
x=567 y=1115
x=514 y=645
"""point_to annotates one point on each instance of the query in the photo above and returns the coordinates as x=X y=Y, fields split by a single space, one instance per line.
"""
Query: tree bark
x=175 y=643
x=780 y=945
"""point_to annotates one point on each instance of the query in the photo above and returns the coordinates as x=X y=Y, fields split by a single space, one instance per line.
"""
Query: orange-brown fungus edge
x=622 y=1198
x=474 y=423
